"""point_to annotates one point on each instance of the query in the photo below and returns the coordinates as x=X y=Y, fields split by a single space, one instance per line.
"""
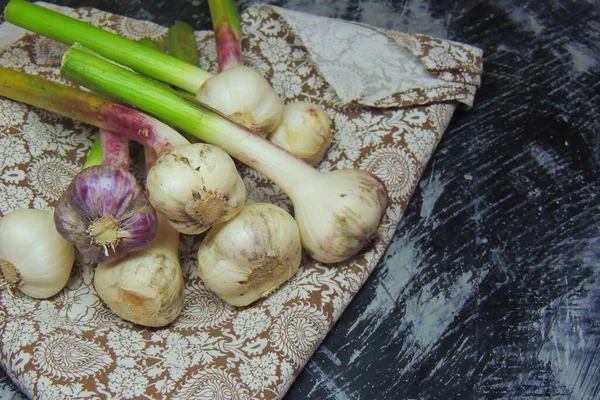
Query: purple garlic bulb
x=105 y=213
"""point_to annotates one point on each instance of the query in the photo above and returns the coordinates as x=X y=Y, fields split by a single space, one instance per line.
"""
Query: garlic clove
x=34 y=257
x=146 y=287
x=245 y=96
x=305 y=131
x=248 y=257
x=195 y=186
x=353 y=202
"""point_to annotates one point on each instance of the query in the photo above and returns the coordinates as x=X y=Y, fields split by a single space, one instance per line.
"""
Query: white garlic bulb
x=252 y=254
x=351 y=206
x=245 y=96
x=305 y=131
x=34 y=257
x=195 y=186
x=145 y=287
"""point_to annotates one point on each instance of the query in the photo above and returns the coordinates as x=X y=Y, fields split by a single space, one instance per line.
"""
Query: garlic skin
x=34 y=257
x=195 y=186
x=248 y=257
x=146 y=287
x=305 y=131
x=245 y=96
x=105 y=212
x=352 y=205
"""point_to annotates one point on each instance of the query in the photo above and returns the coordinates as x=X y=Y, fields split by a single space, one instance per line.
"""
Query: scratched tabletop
x=491 y=286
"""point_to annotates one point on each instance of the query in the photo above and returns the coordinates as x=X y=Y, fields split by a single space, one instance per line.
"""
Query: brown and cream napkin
x=390 y=96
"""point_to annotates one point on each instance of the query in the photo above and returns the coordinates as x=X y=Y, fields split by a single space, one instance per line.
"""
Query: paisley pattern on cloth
x=388 y=114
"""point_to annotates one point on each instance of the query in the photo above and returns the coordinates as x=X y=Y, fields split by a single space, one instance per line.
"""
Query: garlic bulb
x=245 y=96
x=351 y=205
x=145 y=287
x=105 y=212
x=195 y=186
x=34 y=257
x=305 y=131
x=249 y=256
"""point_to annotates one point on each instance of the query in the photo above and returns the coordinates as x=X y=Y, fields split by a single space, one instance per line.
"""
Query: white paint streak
x=506 y=48
x=323 y=8
x=544 y=159
x=333 y=389
x=329 y=354
x=419 y=20
x=573 y=337
x=355 y=354
x=398 y=269
x=429 y=315
x=526 y=20
x=582 y=57
x=431 y=190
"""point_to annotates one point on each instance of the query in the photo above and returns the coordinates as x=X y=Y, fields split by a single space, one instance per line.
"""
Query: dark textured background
x=491 y=287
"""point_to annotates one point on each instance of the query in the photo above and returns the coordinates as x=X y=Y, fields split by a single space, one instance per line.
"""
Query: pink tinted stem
x=226 y=26
x=115 y=149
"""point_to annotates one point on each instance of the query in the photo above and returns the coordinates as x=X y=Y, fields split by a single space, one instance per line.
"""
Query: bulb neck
x=289 y=172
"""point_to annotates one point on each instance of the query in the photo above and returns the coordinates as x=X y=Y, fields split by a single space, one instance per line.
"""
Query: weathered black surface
x=491 y=288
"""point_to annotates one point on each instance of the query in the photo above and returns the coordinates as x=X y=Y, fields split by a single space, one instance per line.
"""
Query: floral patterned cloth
x=390 y=97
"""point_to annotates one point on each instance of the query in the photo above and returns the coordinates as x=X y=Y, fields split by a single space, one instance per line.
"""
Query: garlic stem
x=115 y=149
x=95 y=154
x=226 y=26
x=181 y=42
x=338 y=212
x=88 y=107
x=152 y=63
x=142 y=59
x=34 y=258
x=158 y=45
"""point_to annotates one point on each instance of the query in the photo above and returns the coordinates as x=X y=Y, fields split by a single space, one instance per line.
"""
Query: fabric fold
x=376 y=67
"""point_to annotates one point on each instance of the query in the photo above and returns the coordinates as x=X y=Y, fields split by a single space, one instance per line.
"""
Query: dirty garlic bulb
x=305 y=131
x=251 y=255
x=145 y=287
x=34 y=257
x=245 y=96
x=195 y=186
x=352 y=204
